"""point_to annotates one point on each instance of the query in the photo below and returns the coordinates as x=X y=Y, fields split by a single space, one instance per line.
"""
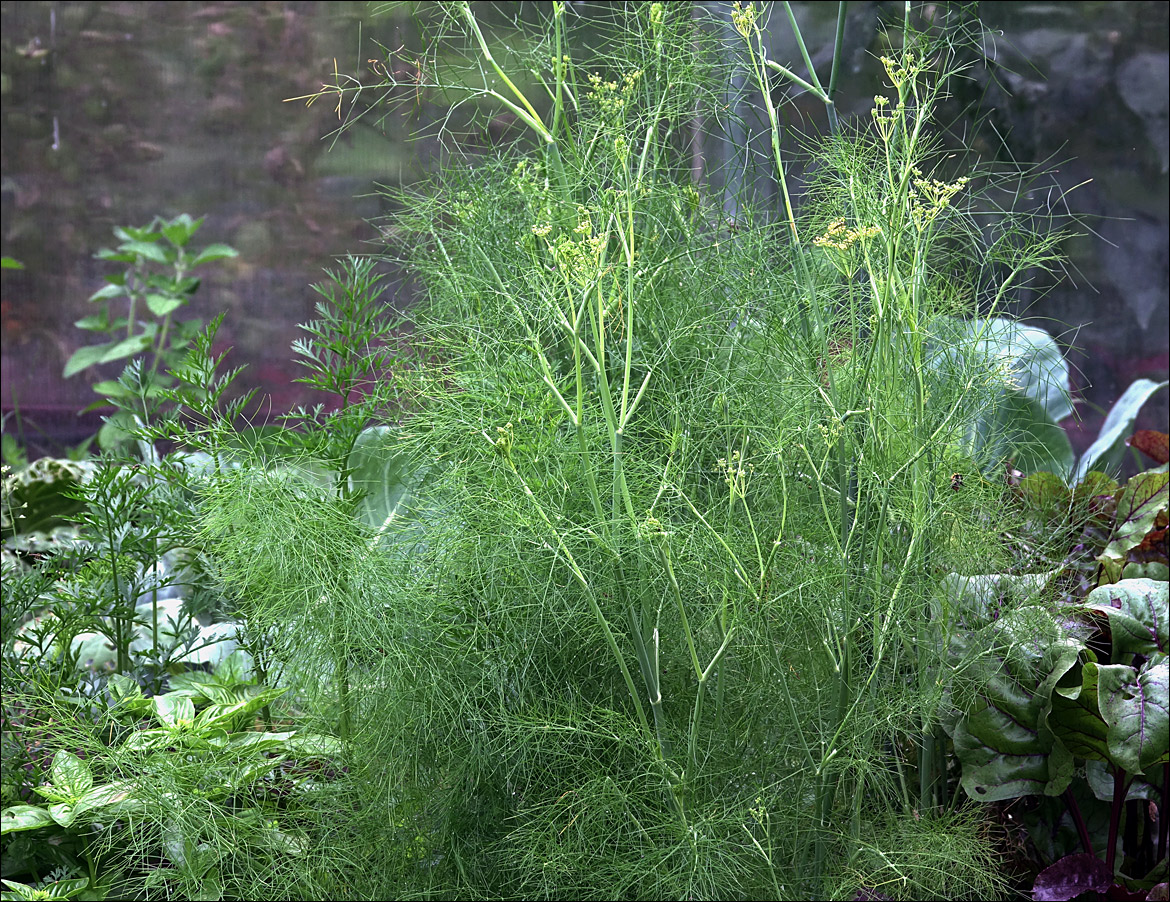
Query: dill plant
x=665 y=618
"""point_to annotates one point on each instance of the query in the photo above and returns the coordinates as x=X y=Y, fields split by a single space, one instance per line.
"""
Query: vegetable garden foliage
x=676 y=558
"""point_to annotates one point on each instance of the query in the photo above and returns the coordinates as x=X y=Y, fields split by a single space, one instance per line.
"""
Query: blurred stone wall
x=115 y=112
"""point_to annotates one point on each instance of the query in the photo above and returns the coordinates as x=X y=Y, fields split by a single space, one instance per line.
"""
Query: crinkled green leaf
x=24 y=817
x=1136 y=706
x=380 y=471
x=1004 y=742
x=1139 y=619
x=1034 y=359
x=38 y=497
x=233 y=670
x=1144 y=496
x=1040 y=444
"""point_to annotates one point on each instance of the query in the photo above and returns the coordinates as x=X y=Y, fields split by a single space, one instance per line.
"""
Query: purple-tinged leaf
x=1136 y=706
x=1144 y=496
x=1154 y=444
x=1139 y=619
x=1069 y=877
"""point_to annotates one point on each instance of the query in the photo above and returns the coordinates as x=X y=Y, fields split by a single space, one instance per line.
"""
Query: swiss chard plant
x=1076 y=717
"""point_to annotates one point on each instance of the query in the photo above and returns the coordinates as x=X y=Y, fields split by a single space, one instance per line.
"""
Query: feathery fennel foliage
x=665 y=618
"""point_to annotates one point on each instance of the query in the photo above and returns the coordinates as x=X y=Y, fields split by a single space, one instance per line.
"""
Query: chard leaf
x=1138 y=617
x=1136 y=706
x=1070 y=877
x=1144 y=496
x=1005 y=743
x=1076 y=719
x=1107 y=451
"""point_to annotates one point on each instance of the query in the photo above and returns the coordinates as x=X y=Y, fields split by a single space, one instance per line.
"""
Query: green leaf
x=147 y=740
x=107 y=293
x=127 y=347
x=214 y=252
x=40 y=496
x=174 y=710
x=233 y=670
x=10 y=263
x=253 y=742
x=1139 y=620
x=24 y=817
x=1100 y=780
x=111 y=388
x=1004 y=742
x=58 y=889
x=192 y=684
x=181 y=229
x=1041 y=445
x=1034 y=360
x=70 y=774
x=162 y=304
x=1136 y=705
x=99 y=322
x=1075 y=719
x=111 y=799
x=84 y=358
x=384 y=476
x=115 y=256
x=314 y=745
x=1107 y=451
x=234 y=705
x=148 y=250
x=1144 y=497
x=62 y=813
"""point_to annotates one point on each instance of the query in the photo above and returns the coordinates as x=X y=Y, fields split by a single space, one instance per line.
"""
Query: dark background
x=116 y=112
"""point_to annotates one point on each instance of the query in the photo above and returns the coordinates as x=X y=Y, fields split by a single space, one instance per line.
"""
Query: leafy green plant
x=1092 y=692
x=167 y=782
x=156 y=283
